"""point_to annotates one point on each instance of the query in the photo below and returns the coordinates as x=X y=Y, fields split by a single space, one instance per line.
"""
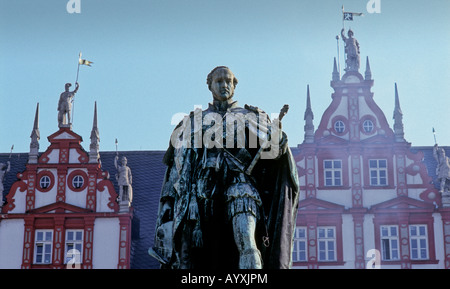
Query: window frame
x=345 y=126
x=43 y=244
x=338 y=156
x=333 y=170
x=363 y=126
x=378 y=170
x=425 y=217
x=389 y=170
x=42 y=174
x=326 y=240
x=390 y=238
x=71 y=177
x=300 y=241
x=74 y=243
x=419 y=238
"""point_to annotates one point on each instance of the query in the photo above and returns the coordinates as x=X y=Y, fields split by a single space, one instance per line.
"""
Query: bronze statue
x=230 y=195
x=65 y=105
x=352 y=51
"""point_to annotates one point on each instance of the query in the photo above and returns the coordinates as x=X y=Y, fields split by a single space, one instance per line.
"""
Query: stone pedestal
x=124 y=206
x=445 y=199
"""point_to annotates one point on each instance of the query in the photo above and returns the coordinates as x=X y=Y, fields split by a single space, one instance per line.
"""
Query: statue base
x=124 y=206
x=445 y=197
x=65 y=125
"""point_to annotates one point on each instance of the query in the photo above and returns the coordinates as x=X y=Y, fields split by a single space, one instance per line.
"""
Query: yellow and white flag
x=84 y=61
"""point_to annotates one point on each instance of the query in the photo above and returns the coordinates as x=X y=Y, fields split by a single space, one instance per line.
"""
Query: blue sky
x=151 y=59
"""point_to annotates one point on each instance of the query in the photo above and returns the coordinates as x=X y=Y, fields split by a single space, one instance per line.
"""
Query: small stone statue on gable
x=4 y=169
x=352 y=51
x=442 y=170
x=65 y=105
x=124 y=179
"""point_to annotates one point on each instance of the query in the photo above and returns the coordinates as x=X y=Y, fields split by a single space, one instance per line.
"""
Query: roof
x=148 y=174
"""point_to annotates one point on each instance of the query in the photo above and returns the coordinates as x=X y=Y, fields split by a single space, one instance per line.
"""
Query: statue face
x=222 y=86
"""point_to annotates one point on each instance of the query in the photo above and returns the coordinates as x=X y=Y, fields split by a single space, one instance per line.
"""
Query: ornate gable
x=59 y=207
x=402 y=204
x=317 y=206
x=63 y=174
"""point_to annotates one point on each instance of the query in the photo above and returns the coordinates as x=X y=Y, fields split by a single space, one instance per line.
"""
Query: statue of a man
x=352 y=51
x=214 y=212
x=124 y=179
x=65 y=104
x=443 y=168
x=4 y=169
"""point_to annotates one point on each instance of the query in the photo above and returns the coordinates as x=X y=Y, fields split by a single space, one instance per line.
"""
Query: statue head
x=67 y=86
x=221 y=82
x=350 y=33
x=124 y=161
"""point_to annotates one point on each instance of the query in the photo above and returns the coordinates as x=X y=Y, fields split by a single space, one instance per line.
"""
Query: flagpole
x=434 y=134
x=10 y=153
x=76 y=81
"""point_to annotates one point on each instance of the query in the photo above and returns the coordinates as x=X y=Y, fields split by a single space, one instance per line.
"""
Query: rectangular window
x=326 y=240
x=389 y=243
x=43 y=244
x=418 y=242
x=299 y=252
x=74 y=246
x=332 y=172
x=378 y=172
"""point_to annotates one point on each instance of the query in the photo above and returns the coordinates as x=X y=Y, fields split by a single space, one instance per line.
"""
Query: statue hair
x=210 y=76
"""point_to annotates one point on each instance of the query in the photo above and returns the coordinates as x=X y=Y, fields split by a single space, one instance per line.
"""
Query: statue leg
x=60 y=119
x=244 y=227
x=125 y=193
x=443 y=180
x=185 y=248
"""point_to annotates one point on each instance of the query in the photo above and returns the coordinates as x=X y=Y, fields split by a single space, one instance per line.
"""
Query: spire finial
x=35 y=137
x=368 y=71
x=309 y=116
x=336 y=75
x=398 y=119
x=95 y=139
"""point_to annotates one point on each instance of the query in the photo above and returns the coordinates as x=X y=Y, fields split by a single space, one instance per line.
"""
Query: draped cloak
x=192 y=230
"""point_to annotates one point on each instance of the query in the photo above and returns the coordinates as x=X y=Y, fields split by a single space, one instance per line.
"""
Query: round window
x=368 y=126
x=339 y=126
x=77 y=182
x=45 y=182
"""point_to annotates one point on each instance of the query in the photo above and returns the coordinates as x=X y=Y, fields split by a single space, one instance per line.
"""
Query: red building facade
x=62 y=211
x=367 y=199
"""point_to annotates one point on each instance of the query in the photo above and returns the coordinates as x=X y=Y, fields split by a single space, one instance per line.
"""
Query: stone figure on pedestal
x=443 y=173
x=4 y=169
x=65 y=105
x=352 y=53
x=230 y=195
x=124 y=180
